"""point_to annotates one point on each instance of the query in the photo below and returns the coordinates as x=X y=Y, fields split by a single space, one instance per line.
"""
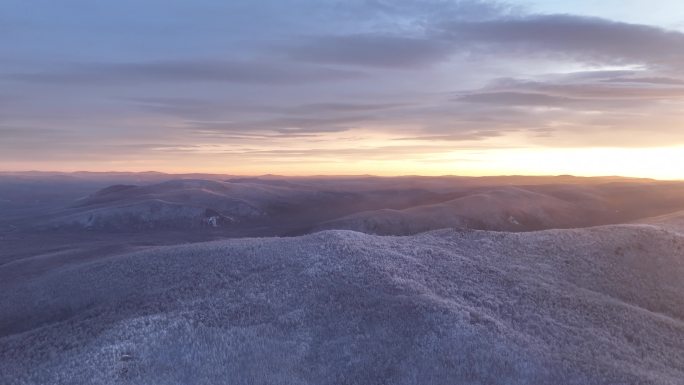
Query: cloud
x=585 y=39
x=316 y=108
x=372 y=50
x=561 y=37
x=273 y=74
x=647 y=80
x=187 y=71
x=512 y=98
x=344 y=153
x=30 y=133
x=614 y=92
x=286 y=125
x=617 y=87
x=473 y=135
x=575 y=110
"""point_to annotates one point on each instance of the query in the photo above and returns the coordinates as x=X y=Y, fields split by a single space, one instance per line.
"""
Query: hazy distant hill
x=273 y=205
x=590 y=306
x=522 y=208
x=276 y=206
x=511 y=209
x=178 y=203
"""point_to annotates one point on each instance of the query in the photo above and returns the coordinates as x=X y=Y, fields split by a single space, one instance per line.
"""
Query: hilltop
x=588 y=306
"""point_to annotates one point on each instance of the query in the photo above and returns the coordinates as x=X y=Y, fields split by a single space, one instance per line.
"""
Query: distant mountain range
x=146 y=279
x=386 y=206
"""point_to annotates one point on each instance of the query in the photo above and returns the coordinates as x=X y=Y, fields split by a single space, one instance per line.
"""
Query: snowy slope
x=674 y=221
x=508 y=209
x=388 y=206
x=184 y=204
x=591 y=306
x=180 y=204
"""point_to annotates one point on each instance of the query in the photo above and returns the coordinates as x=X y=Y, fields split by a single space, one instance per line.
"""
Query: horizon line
x=339 y=175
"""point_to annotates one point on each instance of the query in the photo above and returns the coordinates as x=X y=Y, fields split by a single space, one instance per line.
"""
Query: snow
x=601 y=305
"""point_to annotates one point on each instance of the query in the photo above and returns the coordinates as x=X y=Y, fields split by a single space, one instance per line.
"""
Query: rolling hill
x=389 y=206
x=601 y=305
x=506 y=209
x=521 y=208
x=271 y=207
x=673 y=221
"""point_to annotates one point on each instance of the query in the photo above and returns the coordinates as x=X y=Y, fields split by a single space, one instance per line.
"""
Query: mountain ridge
x=600 y=305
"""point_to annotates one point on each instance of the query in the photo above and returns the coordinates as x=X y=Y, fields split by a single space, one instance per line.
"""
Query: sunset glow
x=427 y=88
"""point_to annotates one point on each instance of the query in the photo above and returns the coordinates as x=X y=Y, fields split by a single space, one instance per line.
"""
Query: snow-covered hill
x=394 y=206
x=507 y=209
x=589 y=306
x=511 y=208
x=674 y=221
x=275 y=207
x=175 y=204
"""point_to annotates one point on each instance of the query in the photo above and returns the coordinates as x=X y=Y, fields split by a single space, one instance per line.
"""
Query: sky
x=302 y=87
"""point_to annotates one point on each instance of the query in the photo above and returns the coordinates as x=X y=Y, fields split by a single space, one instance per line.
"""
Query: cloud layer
x=299 y=81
